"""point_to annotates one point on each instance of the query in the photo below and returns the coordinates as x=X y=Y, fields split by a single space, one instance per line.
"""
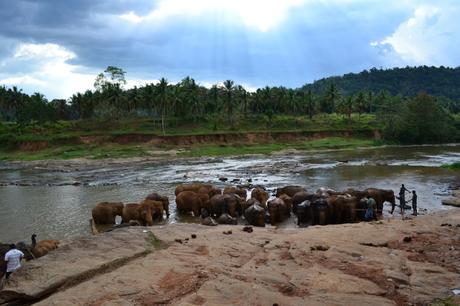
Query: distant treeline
x=409 y=81
x=407 y=115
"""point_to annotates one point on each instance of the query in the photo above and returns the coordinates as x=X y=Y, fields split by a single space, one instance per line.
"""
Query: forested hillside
x=407 y=81
x=410 y=104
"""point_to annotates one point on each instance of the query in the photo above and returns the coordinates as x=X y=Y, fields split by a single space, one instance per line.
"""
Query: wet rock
x=376 y=245
x=248 y=229
x=223 y=179
x=451 y=202
x=208 y=221
x=319 y=248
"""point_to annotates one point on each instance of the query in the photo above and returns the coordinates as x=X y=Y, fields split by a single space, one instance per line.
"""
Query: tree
x=330 y=99
x=424 y=120
x=360 y=104
x=162 y=89
x=229 y=106
x=345 y=106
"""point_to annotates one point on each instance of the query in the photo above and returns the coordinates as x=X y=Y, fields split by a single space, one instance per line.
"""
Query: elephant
x=320 y=211
x=288 y=201
x=139 y=212
x=289 y=190
x=189 y=201
x=163 y=199
x=227 y=219
x=250 y=202
x=44 y=246
x=241 y=192
x=300 y=197
x=226 y=203
x=304 y=213
x=260 y=195
x=198 y=188
x=210 y=191
x=190 y=187
x=380 y=196
x=343 y=208
x=255 y=215
x=157 y=208
x=325 y=192
x=277 y=210
x=105 y=212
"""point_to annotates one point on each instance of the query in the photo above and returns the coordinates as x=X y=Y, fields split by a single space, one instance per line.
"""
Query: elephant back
x=241 y=192
x=260 y=195
x=289 y=190
x=190 y=187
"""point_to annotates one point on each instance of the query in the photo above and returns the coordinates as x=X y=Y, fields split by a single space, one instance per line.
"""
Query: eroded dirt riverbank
x=390 y=262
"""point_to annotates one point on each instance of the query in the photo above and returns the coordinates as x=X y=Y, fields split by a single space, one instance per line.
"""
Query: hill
x=409 y=81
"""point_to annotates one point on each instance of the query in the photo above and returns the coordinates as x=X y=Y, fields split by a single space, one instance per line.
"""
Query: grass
x=449 y=301
x=63 y=138
x=319 y=144
x=154 y=241
x=453 y=166
x=77 y=151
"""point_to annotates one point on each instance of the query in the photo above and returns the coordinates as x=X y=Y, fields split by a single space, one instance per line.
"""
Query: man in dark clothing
x=414 y=203
x=402 y=197
x=34 y=240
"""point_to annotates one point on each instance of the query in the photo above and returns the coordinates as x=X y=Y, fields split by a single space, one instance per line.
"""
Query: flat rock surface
x=389 y=262
x=452 y=201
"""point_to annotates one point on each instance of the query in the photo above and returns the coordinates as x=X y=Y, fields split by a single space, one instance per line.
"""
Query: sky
x=58 y=47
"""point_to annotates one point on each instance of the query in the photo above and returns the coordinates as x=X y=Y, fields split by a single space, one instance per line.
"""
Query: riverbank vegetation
x=353 y=103
x=453 y=166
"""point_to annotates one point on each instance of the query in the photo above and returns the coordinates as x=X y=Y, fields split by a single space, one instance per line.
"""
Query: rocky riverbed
x=389 y=262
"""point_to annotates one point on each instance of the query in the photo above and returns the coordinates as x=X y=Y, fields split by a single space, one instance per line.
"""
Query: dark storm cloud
x=317 y=39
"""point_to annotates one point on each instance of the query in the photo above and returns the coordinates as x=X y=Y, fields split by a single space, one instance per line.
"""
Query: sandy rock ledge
x=390 y=262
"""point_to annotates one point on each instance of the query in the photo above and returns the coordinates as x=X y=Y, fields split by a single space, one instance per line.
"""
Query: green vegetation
x=449 y=301
x=408 y=81
x=34 y=128
x=453 y=166
x=154 y=241
x=320 y=144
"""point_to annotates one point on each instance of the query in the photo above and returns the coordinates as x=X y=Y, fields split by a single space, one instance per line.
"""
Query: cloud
x=58 y=47
x=428 y=37
x=259 y=14
x=45 y=68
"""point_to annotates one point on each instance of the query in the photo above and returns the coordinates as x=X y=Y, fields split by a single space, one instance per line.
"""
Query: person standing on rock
x=370 y=210
x=13 y=260
x=402 y=197
x=414 y=203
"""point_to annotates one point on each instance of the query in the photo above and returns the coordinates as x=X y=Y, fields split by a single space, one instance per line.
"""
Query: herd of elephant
x=216 y=206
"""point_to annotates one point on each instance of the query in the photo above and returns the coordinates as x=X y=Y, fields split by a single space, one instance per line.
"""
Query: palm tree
x=228 y=100
x=162 y=89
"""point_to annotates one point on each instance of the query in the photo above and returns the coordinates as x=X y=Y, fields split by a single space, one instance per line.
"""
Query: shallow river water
x=57 y=203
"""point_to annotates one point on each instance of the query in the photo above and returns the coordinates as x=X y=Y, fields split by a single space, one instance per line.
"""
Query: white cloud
x=260 y=14
x=427 y=38
x=45 y=68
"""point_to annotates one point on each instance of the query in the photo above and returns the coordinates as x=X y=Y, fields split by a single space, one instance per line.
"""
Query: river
x=57 y=203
